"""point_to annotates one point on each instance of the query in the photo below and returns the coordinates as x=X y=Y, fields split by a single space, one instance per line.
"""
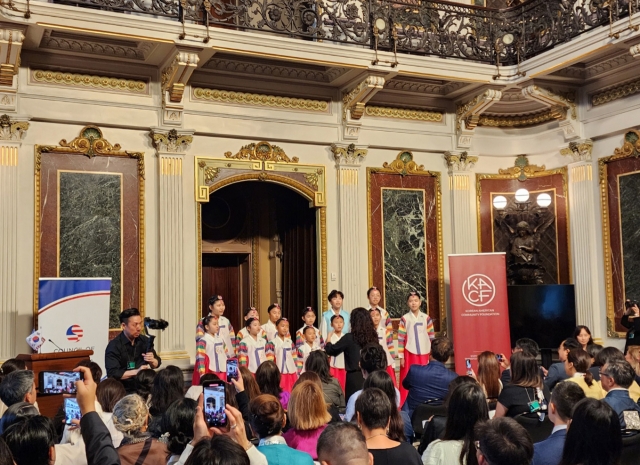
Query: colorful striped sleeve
x=270 y=351
x=264 y=335
x=243 y=355
x=234 y=341
x=390 y=345
x=199 y=331
x=201 y=352
x=402 y=337
x=430 y=331
x=299 y=339
x=299 y=359
x=321 y=341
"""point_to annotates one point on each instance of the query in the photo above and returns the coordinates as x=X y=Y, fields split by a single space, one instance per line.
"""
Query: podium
x=49 y=404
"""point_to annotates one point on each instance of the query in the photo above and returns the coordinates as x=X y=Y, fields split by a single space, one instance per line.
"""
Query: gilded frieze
x=263 y=100
x=404 y=113
x=89 y=81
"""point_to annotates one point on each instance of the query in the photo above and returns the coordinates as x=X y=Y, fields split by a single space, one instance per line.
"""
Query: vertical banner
x=479 y=307
x=73 y=314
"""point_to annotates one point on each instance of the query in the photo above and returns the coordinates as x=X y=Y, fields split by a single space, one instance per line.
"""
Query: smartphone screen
x=468 y=362
x=499 y=357
x=214 y=404
x=232 y=369
x=71 y=410
x=58 y=382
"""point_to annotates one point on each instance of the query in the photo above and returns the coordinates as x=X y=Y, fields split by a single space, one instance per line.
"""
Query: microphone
x=51 y=341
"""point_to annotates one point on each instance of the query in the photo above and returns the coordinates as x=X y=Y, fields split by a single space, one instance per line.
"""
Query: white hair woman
x=131 y=418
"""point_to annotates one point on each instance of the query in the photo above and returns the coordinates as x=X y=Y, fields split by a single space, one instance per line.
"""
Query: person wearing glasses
x=616 y=377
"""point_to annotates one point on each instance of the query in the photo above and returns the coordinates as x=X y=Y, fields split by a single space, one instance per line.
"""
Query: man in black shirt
x=131 y=351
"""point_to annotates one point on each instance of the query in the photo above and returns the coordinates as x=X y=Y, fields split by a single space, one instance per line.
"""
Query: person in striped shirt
x=252 y=349
x=385 y=336
x=415 y=334
x=217 y=308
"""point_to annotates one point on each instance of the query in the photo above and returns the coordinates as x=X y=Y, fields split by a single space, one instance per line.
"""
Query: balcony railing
x=443 y=29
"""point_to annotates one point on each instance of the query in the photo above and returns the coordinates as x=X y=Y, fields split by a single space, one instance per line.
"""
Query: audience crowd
x=582 y=410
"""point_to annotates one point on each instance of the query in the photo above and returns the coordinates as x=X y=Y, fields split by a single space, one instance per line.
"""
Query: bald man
x=343 y=444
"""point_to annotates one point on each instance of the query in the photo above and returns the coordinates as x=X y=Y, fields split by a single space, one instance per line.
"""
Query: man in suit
x=564 y=397
x=429 y=382
x=502 y=441
x=616 y=377
x=557 y=372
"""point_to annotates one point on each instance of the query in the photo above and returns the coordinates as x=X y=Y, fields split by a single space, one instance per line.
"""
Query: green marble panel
x=404 y=245
x=630 y=218
x=90 y=230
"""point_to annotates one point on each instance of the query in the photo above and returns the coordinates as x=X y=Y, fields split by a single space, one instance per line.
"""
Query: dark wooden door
x=228 y=275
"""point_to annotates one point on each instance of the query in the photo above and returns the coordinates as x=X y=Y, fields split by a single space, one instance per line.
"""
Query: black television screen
x=546 y=314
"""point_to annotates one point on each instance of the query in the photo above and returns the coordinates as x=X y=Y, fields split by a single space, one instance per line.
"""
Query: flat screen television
x=546 y=313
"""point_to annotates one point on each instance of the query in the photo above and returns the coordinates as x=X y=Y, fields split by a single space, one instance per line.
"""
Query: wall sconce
x=380 y=27
x=500 y=44
x=522 y=198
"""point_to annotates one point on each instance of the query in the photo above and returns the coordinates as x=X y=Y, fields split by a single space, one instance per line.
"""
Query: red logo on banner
x=478 y=289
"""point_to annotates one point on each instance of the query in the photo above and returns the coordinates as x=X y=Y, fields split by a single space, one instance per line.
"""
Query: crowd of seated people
x=582 y=410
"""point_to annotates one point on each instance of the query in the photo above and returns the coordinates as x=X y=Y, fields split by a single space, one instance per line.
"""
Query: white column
x=582 y=206
x=348 y=160
x=11 y=134
x=462 y=191
x=171 y=147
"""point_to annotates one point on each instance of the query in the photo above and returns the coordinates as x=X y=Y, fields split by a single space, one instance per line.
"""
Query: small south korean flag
x=35 y=340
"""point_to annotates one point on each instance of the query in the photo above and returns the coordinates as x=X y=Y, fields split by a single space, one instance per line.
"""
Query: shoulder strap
x=145 y=451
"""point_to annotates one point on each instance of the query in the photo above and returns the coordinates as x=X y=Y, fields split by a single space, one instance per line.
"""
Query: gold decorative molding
x=630 y=148
x=555 y=101
x=87 y=80
x=89 y=143
x=312 y=178
x=355 y=100
x=175 y=76
x=210 y=174
x=616 y=92
x=10 y=49
x=171 y=141
x=264 y=100
x=522 y=169
x=511 y=121
x=578 y=150
x=404 y=113
x=262 y=151
x=468 y=114
x=459 y=161
x=11 y=129
x=405 y=165
x=348 y=155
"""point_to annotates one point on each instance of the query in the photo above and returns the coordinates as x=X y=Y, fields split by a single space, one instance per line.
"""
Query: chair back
x=425 y=411
x=630 y=448
x=538 y=430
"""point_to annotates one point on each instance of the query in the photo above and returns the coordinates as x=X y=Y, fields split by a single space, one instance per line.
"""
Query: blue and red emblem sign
x=74 y=333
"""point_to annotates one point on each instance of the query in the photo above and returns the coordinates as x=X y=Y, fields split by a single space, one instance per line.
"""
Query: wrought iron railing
x=448 y=30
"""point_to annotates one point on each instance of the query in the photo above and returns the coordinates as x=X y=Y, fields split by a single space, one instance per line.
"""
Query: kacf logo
x=478 y=290
x=74 y=333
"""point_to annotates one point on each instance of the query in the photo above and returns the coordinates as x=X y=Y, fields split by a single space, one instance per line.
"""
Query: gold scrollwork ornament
x=262 y=151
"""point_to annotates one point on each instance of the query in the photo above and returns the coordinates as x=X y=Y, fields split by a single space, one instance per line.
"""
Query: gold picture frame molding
x=404 y=165
x=273 y=166
x=89 y=145
x=627 y=150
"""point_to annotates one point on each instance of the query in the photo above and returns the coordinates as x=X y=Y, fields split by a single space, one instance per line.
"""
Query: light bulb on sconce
x=522 y=195
x=543 y=200
x=500 y=202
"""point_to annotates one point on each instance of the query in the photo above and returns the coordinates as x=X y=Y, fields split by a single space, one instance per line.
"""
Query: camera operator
x=631 y=313
x=131 y=351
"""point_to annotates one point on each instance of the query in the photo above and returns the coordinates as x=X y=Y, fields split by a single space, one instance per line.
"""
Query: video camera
x=150 y=323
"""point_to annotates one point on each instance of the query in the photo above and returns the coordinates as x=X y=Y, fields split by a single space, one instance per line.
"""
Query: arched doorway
x=259 y=246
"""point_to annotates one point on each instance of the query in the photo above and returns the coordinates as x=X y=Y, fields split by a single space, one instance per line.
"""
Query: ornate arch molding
x=264 y=162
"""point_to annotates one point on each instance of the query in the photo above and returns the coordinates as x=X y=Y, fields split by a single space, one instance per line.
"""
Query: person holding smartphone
x=631 y=313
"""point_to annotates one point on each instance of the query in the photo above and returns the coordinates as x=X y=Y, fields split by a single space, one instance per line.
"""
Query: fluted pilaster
x=462 y=191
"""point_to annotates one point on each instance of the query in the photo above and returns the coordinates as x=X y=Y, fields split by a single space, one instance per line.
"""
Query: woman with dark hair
x=268 y=378
x=5 y=453
x=318 y=363
x=577 y=367
x=594 y=437
x=467 y=406
x=526 y=394
x=374 y=411
x=267 y=420
x=363 y=332
x=168 y=386
x=143 y=383
x=250 y=385
x=177 y=427
x=382 y=381
x=583 y=335
x=108 y=393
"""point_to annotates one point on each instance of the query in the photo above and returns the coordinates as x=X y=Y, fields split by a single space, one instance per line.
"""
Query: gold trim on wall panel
x=199 y=259
x=511 y=174
x=78 y=80
x=404 y=165
x=404 y=113
x=89 y=143
x=628 y=150
x=262 y=100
